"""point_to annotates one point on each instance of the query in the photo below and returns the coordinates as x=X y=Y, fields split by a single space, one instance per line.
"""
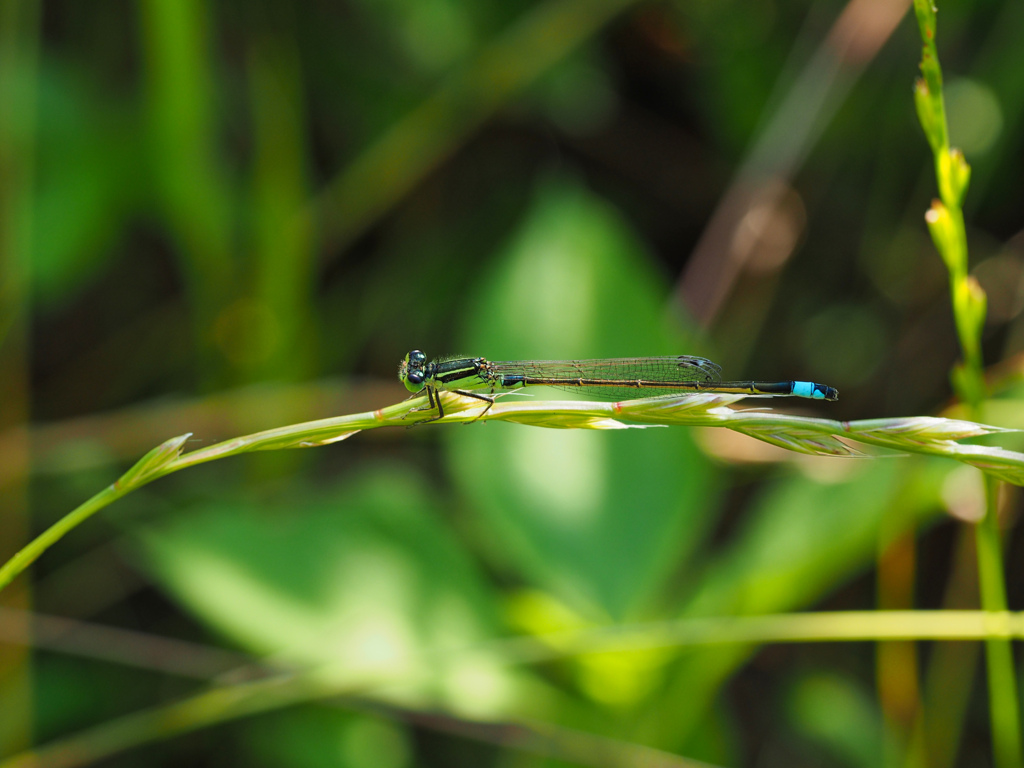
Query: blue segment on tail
x=808 y=389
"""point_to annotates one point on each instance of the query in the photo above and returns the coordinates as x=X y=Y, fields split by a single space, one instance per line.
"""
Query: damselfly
x=620 y=378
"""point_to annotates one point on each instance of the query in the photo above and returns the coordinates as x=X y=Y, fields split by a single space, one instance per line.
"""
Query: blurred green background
x=222 y=217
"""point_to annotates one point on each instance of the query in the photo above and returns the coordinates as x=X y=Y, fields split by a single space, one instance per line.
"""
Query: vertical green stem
x=946 y=223
x=282 y=263
x=194 y=192
x=1002 y=688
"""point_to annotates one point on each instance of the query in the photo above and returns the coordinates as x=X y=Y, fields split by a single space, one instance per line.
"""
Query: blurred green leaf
x=433 y=33
x=356 y=581
x=800 y=540
x=577 y=94
x=744 y=61
x=975 y=116
x=72 y=693
x=190 y=181
x=598 y=519
x=89 y=184
x=840 y=715
x=282 y=261
x=317 y=737
x=803 y=536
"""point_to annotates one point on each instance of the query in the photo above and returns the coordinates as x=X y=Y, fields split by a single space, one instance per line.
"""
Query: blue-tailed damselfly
x=620 y=378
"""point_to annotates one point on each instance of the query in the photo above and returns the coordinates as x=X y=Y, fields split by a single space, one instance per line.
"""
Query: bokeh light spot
x=974 y=114
x=844 y=343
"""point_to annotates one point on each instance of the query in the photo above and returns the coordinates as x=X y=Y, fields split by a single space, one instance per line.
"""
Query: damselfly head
x=411 y=370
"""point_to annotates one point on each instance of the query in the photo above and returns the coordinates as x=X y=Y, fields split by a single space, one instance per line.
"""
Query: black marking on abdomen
x=774 y=387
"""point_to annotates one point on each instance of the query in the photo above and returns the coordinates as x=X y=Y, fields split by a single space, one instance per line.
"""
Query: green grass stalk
x=946 y=224
x=823 y=437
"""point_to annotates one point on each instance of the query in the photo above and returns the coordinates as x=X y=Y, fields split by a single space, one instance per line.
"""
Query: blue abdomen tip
x=807 y=389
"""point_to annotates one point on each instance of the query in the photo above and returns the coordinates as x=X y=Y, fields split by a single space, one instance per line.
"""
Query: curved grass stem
x=826 y=437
